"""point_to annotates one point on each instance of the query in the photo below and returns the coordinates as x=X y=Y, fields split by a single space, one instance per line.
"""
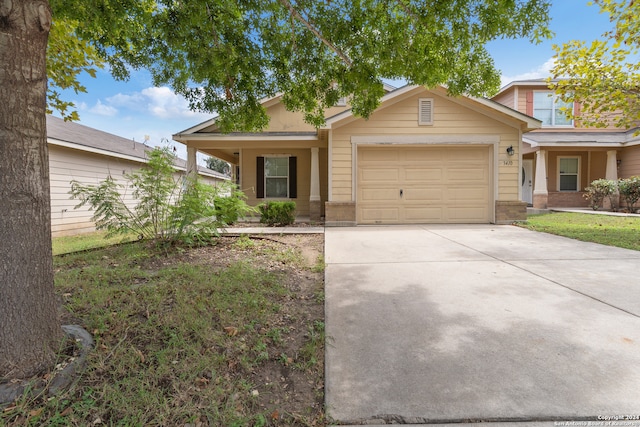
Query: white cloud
x=164 y=103
x=539 y=72
x=133 y=101
x=160 y=102
x=103 y=110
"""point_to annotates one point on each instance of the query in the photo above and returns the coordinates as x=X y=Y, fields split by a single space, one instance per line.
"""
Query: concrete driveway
x=452 y=323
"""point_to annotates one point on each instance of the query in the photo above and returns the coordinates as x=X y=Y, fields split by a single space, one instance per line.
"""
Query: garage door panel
x=382 y=175
x=422 y=155
x=439 y=184
x=380 y=195
x=468 y=154
x=465 y=195
x=422 y=175
x=380 y=214
x=469 y=174
x=424 y=214
x=432 y=195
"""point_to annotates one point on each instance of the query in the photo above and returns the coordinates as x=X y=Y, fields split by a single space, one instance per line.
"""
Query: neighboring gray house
x=81 y=153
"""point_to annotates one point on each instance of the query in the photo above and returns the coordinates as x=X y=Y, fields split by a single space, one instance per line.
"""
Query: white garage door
x=399 y=185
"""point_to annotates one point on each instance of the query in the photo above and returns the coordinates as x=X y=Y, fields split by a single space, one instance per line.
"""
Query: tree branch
x=317 y=33
x=409 y=12
x=216 y=39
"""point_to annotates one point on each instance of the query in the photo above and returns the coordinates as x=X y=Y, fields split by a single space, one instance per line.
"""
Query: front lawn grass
x=83 y=242
x=228 y=335
x=620 y=231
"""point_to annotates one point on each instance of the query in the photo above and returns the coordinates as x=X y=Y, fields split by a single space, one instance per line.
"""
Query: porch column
x=234 y=173
x=540 y=193
x=315 y=208
x=192 y=163
x=612 y=165
x=611 y=173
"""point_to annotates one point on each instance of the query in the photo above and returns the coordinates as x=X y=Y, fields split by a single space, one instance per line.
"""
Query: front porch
x=562 y=173
x=271 y=166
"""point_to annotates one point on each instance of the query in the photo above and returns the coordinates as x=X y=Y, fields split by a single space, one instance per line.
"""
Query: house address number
x=507 y=163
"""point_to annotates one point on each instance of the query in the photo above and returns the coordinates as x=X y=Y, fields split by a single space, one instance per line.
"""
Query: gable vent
x=425 y=111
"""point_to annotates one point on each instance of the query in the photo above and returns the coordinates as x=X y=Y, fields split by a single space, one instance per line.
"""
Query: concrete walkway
x=272 y=230
x=587 y=211
x=449 y=324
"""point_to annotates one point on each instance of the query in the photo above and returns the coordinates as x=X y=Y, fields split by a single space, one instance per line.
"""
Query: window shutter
x=529 y=111
x=425 y=111
x=260 y=177
x=293 y=178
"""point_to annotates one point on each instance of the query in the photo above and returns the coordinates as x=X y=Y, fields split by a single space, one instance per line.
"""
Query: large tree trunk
x=29 y=327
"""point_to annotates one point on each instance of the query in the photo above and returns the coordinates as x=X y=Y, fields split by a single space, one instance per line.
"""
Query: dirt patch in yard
x=290 y=384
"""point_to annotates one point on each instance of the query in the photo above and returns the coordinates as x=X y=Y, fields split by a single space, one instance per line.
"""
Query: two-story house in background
x=562 y=158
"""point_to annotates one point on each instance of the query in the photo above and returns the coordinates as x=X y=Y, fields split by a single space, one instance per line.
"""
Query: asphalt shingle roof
x=84 y=136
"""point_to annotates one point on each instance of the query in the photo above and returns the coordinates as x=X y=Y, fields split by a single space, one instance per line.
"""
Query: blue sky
x=135 y=109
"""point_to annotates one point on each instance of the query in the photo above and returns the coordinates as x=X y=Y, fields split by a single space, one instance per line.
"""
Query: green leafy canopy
x=225 y=56
x=218 y=165
x=604 y=75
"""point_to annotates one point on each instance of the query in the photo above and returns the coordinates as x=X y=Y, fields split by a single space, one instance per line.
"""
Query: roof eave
x=81 y=147
x=530 y=123
x=515 y=83
x=258 y=137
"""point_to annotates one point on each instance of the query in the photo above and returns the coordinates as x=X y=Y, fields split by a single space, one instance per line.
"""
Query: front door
x=527 y=181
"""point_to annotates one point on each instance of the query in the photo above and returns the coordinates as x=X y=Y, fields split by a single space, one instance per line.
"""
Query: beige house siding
x=506 y=98
x=522 y=99
x=249 y=172
x=630 y=165
x=283 y=120
x=67 y=164
x=597 y=167
x=450 y=118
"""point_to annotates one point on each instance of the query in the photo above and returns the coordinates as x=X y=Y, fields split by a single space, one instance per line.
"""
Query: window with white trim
x=425 y=111
x=549 y=108
x=276 y=177
x=568 y=173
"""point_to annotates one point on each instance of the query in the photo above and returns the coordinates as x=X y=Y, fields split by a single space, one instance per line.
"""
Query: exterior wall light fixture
x=510 y=150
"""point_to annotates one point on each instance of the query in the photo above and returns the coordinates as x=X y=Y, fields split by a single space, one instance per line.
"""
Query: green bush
x=231 y=207
x=598 y=190
x=169 y=207
x=277 y=213
x=629 y=189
